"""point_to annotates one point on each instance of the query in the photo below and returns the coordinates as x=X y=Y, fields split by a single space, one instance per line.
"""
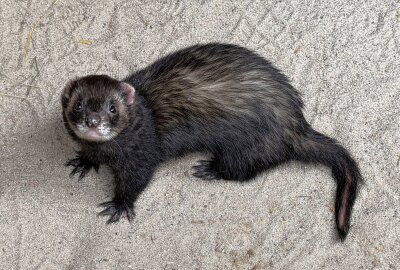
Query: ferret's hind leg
x=240 y=165
x=206 y=169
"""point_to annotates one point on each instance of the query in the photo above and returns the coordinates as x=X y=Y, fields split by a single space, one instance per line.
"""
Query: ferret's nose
x=93 y=120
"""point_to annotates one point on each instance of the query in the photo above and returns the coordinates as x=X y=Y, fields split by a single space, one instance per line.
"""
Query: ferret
x=220 y=99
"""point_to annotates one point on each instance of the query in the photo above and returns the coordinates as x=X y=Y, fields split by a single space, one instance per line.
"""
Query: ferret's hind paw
x=115 y=211
x=205 y=170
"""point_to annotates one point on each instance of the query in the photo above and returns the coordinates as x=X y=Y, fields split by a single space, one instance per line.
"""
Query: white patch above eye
x=118 y=98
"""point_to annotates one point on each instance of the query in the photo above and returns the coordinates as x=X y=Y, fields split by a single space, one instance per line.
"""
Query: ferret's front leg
x=129 y=183
x=81 y=165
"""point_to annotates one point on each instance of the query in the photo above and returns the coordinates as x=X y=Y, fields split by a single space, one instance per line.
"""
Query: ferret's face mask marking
x=96 y=111
x=95 y=121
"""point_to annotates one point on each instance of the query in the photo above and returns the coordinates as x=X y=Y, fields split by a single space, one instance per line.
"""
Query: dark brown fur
x=204 y=84
x=216 y=98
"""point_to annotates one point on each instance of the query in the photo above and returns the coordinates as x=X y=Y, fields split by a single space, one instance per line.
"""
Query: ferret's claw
x=115 y=211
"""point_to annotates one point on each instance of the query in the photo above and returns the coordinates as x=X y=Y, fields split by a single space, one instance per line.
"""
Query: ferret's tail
x=317 y=148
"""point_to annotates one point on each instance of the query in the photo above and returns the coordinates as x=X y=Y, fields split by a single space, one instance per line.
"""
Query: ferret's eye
x=78 y=106
x=112 y=109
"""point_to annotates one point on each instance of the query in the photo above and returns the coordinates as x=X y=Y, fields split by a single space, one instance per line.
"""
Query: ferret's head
x=96 y=107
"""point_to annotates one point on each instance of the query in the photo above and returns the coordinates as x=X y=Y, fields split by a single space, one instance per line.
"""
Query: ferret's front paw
x=81 y=166
x=205 y=170
x=116 y=210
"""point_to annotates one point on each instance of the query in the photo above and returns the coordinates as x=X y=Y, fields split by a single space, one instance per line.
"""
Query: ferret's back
x=214 y=81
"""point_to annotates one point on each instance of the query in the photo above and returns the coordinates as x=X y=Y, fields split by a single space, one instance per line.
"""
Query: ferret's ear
x=129 y=93
x=67 y=92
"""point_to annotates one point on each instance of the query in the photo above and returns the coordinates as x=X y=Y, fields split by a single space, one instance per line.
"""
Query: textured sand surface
x=343 y=56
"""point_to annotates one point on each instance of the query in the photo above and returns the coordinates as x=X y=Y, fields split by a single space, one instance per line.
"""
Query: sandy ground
x=344 y=59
